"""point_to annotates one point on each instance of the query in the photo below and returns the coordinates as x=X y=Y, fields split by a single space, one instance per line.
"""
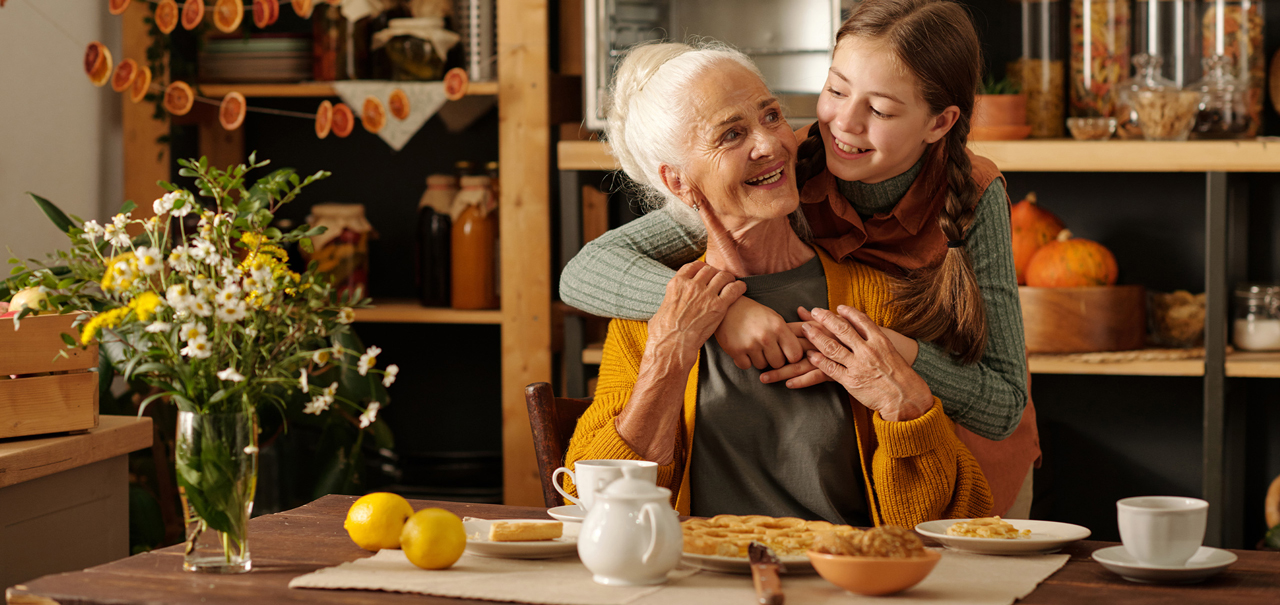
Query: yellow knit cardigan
x=917 y=470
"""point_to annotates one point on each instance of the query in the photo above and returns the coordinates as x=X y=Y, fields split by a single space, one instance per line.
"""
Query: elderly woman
x=699 y=132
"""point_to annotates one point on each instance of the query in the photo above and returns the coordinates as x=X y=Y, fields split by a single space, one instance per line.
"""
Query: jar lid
x=442 y=180
x=474 y=181
x=1258 y=290
x=338 y=210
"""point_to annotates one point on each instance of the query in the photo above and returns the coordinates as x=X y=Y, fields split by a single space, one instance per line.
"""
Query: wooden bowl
x=874 y=575
x=1084 y=320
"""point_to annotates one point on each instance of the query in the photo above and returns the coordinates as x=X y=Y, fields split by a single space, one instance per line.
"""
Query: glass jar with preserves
x=1234 y=28
x=329 y=60
x=1257 y=325
x=1146 y=77
x=1099 y=55
x=1039 y=68
x=342 y=250
x=1165 y=112
x=1224 y=109
x=474 y=245
x=434 y=246
x=416 y=48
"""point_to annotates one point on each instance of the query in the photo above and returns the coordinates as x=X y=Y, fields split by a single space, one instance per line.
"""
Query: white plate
x=1046 y=537
x=793 y=565
x=1206 y=562
x=572 y=513
x=565 y=545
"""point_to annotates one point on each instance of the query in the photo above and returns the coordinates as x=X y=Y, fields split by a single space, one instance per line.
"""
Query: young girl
x=900 y=193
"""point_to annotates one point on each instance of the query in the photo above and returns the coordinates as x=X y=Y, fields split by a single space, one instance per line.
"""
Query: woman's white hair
x=649 y=113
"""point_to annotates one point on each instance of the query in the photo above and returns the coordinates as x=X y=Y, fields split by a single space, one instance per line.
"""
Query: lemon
x=375 y=520
x=433 y=538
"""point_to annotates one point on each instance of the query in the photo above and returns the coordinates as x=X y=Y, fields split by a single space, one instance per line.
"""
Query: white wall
x=59 y=135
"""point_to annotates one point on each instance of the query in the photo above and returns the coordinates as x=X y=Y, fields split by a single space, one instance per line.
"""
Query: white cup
x=591 y=476
x=1162 y=530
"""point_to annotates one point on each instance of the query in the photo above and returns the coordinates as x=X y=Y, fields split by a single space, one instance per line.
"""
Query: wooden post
x=146 y=161
x=524 y=139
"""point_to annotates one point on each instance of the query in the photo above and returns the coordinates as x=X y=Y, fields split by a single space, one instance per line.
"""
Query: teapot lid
x=632 y=487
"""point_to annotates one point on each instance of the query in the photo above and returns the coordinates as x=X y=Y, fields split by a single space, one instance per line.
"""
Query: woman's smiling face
x=740 y=154
x=874 y=122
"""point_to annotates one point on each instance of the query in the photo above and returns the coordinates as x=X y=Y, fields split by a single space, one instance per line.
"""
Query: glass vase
x=217 y=470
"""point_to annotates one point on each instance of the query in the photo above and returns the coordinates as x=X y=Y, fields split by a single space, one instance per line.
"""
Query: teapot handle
x=651 y=510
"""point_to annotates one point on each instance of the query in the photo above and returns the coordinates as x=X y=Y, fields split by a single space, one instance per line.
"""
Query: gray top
x=624 y=274
x=764 y=449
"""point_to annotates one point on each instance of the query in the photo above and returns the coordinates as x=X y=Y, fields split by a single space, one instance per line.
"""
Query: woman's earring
x=695 y=206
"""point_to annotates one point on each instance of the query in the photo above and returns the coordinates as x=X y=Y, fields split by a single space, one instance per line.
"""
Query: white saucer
x=572 y=513
x=478 y=542
x=1206 y=562
x=1046 y=537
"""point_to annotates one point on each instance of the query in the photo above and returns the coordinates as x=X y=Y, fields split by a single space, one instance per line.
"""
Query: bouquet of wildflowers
x=208 y=312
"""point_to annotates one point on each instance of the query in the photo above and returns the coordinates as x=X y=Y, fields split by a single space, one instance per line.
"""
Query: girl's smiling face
x=873 y=119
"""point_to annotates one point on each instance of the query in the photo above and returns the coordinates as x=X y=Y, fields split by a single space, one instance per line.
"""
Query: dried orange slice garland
x=456 y=82
x=126 y=73
x=265 y=12
x=324 y=119
x=141 y=84
x=192 y=14
x=373 y=115
x=227 y=15
x=303 y=8
x=97 y=63
x=231 y=112
x=343 y=120
x=398 y=103
x=118 y=7
x=167 y=16
x=178 y=98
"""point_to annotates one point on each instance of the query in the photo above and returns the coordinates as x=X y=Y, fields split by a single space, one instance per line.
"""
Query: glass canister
x=1099 y=55
x=1224 y=108
x=474 y=245
x=329 y=60
x=1168 y=29
x=1039 y=69
x=434 y=240
x=342 y=250
x=1257 y=326
x=416 y=48
x=1164 y=111
x=1146 y=76
x=1234 y=28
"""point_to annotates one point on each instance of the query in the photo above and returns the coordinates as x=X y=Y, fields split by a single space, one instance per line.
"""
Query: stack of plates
x=266 y=58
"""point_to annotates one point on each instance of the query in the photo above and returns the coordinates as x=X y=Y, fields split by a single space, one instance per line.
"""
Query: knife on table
x=765 y=568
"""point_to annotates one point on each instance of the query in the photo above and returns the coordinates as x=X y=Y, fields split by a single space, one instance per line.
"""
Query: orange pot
x=999 y=118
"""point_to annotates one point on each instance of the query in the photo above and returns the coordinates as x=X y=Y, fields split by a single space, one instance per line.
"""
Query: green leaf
x=382 y=435
x=187 y=172
x=71 y=342
x=128 y=206
x=55 y=214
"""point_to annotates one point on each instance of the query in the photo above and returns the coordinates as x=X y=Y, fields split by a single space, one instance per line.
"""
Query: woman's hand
x=756 y=336
x=695 y=304
x=803 y=374
x=863 y=360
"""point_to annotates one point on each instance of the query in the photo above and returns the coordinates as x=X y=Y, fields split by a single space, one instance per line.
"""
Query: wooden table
x=302 y=540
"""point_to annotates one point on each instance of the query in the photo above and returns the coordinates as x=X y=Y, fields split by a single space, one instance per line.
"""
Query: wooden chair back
x=552 y=420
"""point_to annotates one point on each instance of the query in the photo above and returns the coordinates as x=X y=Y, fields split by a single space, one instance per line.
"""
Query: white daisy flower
x=180 y=259
x=162 y=205
x=302 y=381
x=200 y=306
x=115 y=236
x=148 y=259
x=317 y=405
x=346 y=315
x=181 y=203
x=230 y=374
x=368 y=360
x=178 y=297
x=158 y=327
x=331 y=391
x=123 y=272
x=228 y=295
x=200 y=249
x=251 y=331
x=390 y=378
x=250 y=450
x=321 y=357
x=92 y=230
x=201 y=285
x=120 y=220
x=235 y=312
x=370 y=414
x=198 y=348
x=192 y=330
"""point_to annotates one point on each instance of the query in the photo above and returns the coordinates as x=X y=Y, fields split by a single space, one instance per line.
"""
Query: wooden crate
x=51 y=394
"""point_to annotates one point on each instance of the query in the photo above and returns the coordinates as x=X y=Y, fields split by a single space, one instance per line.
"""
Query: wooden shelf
x=408 y=311
x=1253 y=365
x=593 y=354
x=24 y=459
x=1054 y=364
x=1056 y=155
x=310 y=89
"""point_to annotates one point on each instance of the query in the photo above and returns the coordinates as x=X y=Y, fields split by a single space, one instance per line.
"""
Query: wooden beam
x=524 y=139
x=146 y=160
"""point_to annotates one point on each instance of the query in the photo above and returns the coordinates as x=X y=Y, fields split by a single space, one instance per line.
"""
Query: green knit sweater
x=624 y=274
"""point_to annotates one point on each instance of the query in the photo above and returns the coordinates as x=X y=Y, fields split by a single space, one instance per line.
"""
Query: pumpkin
x=1071 y=262
x=1033 y=226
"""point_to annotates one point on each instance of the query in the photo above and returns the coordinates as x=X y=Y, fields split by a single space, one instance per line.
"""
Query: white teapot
x=631 y=536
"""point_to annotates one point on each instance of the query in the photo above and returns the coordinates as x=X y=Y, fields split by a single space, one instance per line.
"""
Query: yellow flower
x=145 y=304
x=106 y=319
x=120 y=273
x=252 y=240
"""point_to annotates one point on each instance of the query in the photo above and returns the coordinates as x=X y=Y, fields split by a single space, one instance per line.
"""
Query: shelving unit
x=524 y=134
x=1225 y=218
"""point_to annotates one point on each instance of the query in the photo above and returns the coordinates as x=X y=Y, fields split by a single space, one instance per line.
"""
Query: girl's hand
x=756 y=336
x=695 y=304
x=804 y=374
x=863 y=360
